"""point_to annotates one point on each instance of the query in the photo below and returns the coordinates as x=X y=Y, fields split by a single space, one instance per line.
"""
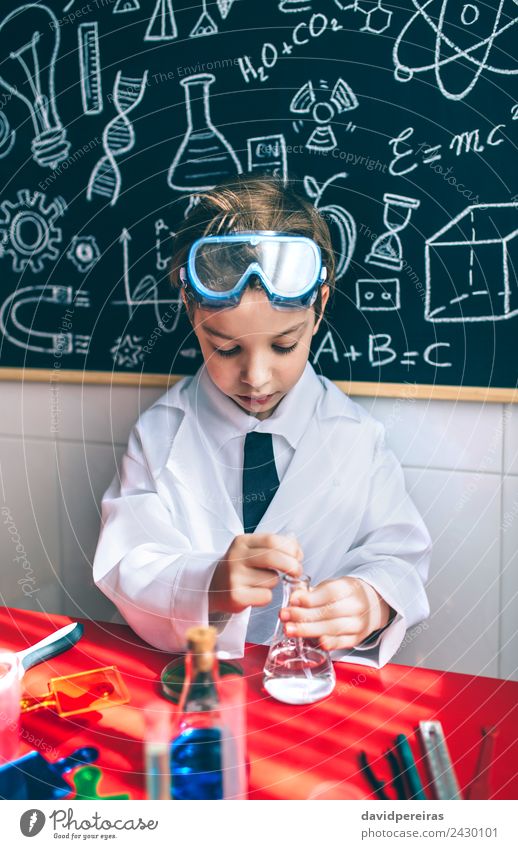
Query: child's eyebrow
x=215 y=332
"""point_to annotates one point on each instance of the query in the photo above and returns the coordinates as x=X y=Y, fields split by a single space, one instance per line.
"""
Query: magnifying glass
x=95 y=689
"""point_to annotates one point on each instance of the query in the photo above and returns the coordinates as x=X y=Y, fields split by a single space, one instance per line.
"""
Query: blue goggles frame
x=214 y=299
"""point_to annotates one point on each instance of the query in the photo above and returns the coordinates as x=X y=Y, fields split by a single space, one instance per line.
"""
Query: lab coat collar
x=308 y=464
x=225 y=420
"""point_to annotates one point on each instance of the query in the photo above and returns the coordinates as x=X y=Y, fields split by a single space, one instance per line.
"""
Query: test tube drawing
x=387 y=249
x=118 y=138
x=204 y=157
x=29 y=44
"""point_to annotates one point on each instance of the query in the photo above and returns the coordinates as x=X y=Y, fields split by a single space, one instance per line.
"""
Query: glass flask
x=196 y=750
x=297 y=671
x=204 y=156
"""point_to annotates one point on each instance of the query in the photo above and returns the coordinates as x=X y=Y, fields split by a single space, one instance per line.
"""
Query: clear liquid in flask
x=298 y=674
x=297 y=671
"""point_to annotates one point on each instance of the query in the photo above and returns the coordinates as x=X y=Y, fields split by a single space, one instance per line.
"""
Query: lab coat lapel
x=314 y=474
x=199 y=474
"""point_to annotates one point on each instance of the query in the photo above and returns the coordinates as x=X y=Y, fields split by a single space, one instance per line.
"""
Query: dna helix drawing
x=118 y=137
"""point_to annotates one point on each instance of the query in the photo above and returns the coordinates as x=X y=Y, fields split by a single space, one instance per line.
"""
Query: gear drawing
x=28 y=229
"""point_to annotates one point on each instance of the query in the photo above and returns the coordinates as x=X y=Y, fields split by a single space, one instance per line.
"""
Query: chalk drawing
x=205 y=156
x=162 y=234
x=378 y=295
x=83 y=252
x=267 y=154
x=123 y=6
x=29 y=44
x=387 y=249
x=436 y=28
x=127 y=351
x=7 y=136
x=145 y=292
x=205 y=24
x=26 y=336
x=118 y=138
x=28 y=230
x=323 y=107
x=162 y=24
x=340 y=220
x=90 y=68
x=484 y=237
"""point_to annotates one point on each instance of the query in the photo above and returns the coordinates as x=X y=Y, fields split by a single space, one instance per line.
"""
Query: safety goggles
x=288 y=266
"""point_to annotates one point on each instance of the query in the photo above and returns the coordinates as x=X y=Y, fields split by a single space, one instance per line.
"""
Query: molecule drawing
x=441 y=29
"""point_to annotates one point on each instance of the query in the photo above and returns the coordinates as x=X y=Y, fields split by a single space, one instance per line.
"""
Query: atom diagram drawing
x=447 y=24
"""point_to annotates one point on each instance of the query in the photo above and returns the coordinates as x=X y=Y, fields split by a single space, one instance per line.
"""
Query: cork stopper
x=201 y=642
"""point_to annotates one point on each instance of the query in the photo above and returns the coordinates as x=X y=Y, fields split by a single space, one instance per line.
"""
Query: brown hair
x=252 y=203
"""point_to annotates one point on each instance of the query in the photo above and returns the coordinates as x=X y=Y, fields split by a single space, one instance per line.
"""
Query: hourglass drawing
x=204 y=157
x=387 y=249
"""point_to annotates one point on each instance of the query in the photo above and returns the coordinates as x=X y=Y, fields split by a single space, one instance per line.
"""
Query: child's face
x=255 y=353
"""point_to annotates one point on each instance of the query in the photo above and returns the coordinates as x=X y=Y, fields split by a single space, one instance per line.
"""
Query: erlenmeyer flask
x=297 y=671
x=204 y=156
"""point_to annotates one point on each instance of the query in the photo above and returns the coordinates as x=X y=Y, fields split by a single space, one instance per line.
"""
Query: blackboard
x=399 y=121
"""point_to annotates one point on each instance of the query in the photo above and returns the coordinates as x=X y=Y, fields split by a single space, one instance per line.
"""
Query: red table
x=292 y=750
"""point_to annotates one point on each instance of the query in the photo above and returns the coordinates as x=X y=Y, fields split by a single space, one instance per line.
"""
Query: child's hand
x=340 y=613
x=247 y=573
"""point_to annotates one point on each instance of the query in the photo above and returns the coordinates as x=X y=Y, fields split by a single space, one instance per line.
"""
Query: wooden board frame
x=436 y=392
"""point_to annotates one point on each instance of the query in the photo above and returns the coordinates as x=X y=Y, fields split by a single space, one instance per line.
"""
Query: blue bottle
x=196 y=750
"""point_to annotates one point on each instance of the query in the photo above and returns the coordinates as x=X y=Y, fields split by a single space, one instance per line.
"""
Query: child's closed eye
x=279 y=349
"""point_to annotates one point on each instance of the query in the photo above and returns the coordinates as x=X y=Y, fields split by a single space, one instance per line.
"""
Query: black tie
x=260 y=479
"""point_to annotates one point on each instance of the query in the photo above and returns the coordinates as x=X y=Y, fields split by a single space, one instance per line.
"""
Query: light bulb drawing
x=7 y=136
x=29 y=44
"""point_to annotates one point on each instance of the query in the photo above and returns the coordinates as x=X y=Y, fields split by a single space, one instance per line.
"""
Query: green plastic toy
x=85 y=782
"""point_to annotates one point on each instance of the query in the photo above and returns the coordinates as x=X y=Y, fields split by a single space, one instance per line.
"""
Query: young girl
x=256 y=466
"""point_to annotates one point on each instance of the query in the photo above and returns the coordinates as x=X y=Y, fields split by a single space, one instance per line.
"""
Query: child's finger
x=276 y=542
x=333 y=610
x=344 y=626
x=325 y=593
x=267 y=558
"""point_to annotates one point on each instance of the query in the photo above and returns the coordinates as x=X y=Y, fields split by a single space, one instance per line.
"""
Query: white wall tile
x=26 y=409
x=85 y=472
x=462 y=513
x=441 y=434
x=96 y=413
x=509 y=614
x=29 y=527
x=511 y=439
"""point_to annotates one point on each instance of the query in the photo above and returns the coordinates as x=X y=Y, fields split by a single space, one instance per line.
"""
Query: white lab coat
x=168 y=521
